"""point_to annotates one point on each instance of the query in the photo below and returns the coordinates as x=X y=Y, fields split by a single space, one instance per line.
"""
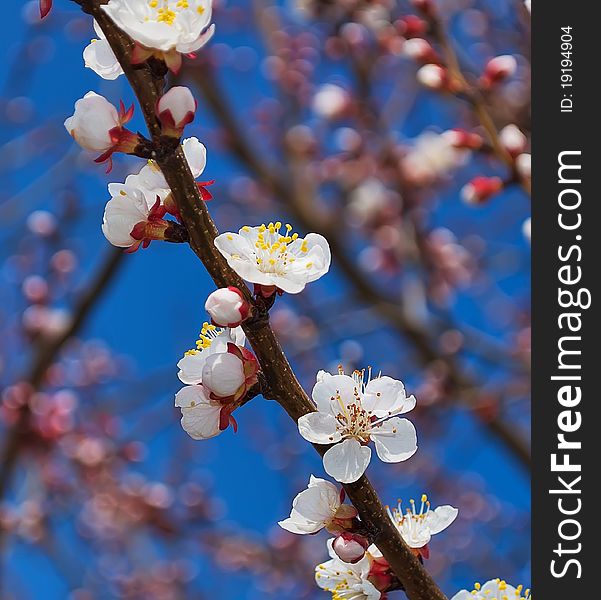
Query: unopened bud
x=460 y=138
x=433 y=77
x=420 y=50
x=350 y=547
x=227 y=307
x=411 y=26
x=175 y=110
x=480 y=189
x=497 y=69
x=513 y=140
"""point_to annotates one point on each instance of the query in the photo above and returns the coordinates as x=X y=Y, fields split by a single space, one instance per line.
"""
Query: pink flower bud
x=223 y=374
x=227 y=307
x=523 y=164
x=497 y=69
x=411 y=26
x=513 y=140
x=433 y=77
x=175 y=110
x=460 y=138
x=480 y=189
x=350 y=547
x=420 y=50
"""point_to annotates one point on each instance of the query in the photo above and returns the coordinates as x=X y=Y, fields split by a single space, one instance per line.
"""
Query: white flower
x=417 y=528
x=346 y=581
x=212 y=340
x=176 y=109
x=330 y=101
x=126 y=208
x=494 y=589
x=223 y=374
x=227 y=307
x=181 y=25
x=352 y=412
x=316 y=508
x=431 y=156
x=92 y=122
x=99 y=57
x=264 y=256
x=200 y=414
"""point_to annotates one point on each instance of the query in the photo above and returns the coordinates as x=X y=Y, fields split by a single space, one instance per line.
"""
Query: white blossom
x=200 y=414
x=126 y=208
x=223 y=374
x=351 y=412
x=495 y=589
x=92 y=122
x=99 y=56
x=212 y=340
x=265 y=256
x=181 y=25
x=346 y=581
x=316 y=507
x=431 y=157
x=417 y=528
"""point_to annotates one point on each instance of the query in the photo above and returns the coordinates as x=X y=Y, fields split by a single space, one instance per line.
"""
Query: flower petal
x=319 y=428
x=440 y=518
x=328 y=387
x=347 y=461
x=395 y=440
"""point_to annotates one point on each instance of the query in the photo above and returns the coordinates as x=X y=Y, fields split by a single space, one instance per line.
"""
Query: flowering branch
x=147 y=82
x=472 y=95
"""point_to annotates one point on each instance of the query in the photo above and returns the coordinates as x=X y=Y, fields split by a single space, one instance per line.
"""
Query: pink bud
x=497 y=69
x=460 y=138
x=513 y=140
x=227 y=307
x=420 y=50
x=350 y=547
x=175 y=110
x=433 y=77
x=480 y=189
x=411 y=26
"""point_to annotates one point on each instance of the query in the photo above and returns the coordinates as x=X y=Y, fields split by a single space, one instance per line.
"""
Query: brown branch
x=284 y=386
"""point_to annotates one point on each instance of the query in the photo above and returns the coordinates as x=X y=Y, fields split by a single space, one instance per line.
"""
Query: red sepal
x=45 y=7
